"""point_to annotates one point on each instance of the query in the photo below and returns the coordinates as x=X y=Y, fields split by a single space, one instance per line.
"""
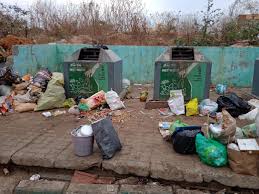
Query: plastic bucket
x=83 y=146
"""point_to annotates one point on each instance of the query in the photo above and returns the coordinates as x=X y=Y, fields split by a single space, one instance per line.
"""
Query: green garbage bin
x=182 y=68
x=90 y=70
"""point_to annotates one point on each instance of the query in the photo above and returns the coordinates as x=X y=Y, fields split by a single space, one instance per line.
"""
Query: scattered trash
x=113 y=100
x=69 y=103
x=21 y=86
x=177 y=124
x=125 y=83
x=176 y=102
x=83 y=140
x=8 y=76
x=233 y=104
x=47 y=114
x=74 y=110
x=26 y=98
x=54 y=96
x=106 y=138
x=42 y=78
x=59 y=112
x=26 y=77
x=143 y=96
x=250 y=115
x=5 y=90
x=6 y=104
x=165 y=112
x=35 y=177
x=211 y=152
x=24 y=107
x=224 y=131
x=254 y=103
x=242 y=162
x=165 y=125
x=233 y=146
x=92 y=102
x=257 y=124
x=192 y=107
x=239 y=133
x=164 y=130
x=221 y=89
x=183 y=139
x=248 y=145
x=250 y=131
x=6 y=171
x=208 y=106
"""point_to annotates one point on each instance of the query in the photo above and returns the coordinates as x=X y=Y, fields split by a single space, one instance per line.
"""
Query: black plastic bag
x=183 y=139
x=106 y=138
x=233 y=104
x=8 y=76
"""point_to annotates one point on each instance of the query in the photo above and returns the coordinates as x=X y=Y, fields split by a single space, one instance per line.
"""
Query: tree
x=209 y=18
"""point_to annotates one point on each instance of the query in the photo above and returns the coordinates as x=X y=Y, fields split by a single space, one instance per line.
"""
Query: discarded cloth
x=42 y=78
x=54 y=96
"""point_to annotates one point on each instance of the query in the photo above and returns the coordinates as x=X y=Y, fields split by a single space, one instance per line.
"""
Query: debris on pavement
x=183 y=139
x=113 y=100
x=54 y=96
x=74 y=110
x=143 y=96
x=192 y=107
x=106 y=138
x=6 y=104
x=93 y=102
x=46 y=114
x=6 y=172
x=176 y=102
x=211 y=152
x=221 y=89
x=224 y=131
x=208 y=106
x=164 y=130
x=35 y=177
x=59 y=112
x=232 y=103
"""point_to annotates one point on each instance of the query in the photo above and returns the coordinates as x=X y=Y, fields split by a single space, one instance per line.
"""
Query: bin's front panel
x=190 y=77
x=83 y=82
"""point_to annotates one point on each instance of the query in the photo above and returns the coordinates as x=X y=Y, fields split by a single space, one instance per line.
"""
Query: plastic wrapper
x=176 y=102
x=113 y=100
x=192 y=107
x=250 y=131
x=208 y=106
x=211 y=152
x=94 y=101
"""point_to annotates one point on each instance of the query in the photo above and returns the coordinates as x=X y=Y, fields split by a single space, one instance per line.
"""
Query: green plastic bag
x=211 y=152
x=54 y=96
x=176 y=124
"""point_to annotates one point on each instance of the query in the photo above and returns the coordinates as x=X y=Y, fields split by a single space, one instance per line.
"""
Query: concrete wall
x=233 y=66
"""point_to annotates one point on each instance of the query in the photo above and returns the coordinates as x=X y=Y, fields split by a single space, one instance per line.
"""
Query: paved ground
x=29 y=139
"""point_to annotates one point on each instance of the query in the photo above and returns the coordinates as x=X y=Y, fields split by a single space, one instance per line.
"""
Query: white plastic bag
x=249 y=116
x=176 y=102
x=113 y=100
x=208 y=106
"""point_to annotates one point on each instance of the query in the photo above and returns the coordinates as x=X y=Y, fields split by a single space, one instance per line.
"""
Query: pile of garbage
x=45 y=91
x=220 y=141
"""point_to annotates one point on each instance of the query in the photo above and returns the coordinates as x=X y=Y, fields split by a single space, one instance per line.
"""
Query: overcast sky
x=186 y=6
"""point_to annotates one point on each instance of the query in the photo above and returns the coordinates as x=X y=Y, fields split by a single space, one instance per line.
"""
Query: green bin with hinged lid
x=182 y=68
x=90 y=70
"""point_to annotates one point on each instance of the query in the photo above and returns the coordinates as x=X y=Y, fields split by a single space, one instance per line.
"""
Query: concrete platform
x=29 y=139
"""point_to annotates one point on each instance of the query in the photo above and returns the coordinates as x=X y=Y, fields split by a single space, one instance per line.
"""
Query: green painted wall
x=231 y=65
